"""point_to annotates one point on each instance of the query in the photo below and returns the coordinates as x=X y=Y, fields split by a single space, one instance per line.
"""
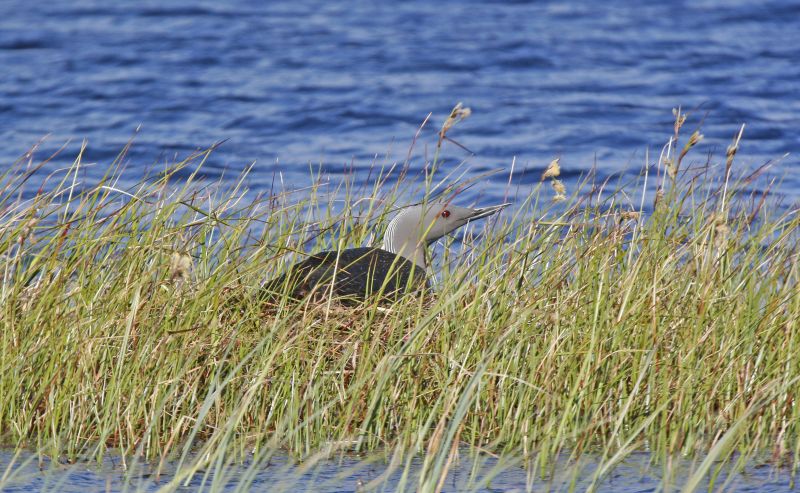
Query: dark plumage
x=395 y=269
x=361 y=273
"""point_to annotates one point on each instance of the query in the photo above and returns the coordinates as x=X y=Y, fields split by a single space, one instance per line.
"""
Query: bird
x=394 y=269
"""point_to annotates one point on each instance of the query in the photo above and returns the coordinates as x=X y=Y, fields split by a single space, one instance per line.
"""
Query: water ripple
x=319 y=81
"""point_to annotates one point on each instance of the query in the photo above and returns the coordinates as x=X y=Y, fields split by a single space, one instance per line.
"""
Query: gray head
x=414 y=227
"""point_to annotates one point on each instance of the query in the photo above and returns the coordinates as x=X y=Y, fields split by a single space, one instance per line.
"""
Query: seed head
x=27 y=230
x=680 y=119
x=629 y=215
x=553 y=170
x=180 y=265
x=559 y=187
x=457 y=114
x=659 y=197
x=672 y=170
x=694 y=139
x=732 y=150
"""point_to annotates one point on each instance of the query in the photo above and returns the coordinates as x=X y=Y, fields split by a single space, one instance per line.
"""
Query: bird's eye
x=445 y=213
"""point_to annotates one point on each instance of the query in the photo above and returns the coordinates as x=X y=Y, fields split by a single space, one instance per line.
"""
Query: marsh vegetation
x=658 y=313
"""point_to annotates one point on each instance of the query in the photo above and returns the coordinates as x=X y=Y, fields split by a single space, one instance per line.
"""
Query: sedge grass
x=129 y=321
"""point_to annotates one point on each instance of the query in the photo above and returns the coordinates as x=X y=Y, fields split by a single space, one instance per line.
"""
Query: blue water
x=634 y=474
x=339 y=83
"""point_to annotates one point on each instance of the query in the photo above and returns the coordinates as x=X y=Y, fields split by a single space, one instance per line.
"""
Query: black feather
x=360 y=273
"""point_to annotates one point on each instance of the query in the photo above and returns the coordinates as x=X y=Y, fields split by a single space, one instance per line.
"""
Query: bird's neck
x=407 y=246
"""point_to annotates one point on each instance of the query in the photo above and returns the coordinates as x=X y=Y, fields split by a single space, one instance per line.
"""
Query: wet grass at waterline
x=590 y=323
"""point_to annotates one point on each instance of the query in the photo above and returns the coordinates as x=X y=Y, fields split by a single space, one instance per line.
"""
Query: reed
x=600 y=321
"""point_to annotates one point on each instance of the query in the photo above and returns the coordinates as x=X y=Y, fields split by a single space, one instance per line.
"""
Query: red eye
x=445 y=213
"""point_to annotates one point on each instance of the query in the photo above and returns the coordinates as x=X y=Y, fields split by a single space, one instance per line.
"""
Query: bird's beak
x=487 y=211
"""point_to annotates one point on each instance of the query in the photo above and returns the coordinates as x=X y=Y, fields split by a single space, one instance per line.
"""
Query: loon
x=396 y=268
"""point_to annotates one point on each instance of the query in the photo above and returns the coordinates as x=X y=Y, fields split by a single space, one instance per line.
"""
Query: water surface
x=351 y=474
x=339 y=83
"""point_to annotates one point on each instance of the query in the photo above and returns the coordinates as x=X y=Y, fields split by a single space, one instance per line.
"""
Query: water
x=340 y=83
x=351 y=474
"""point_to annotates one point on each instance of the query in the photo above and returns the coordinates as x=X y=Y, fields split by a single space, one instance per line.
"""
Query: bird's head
x=416 y=226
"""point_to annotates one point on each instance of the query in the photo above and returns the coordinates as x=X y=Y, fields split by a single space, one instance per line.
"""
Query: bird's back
x=351 y=275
